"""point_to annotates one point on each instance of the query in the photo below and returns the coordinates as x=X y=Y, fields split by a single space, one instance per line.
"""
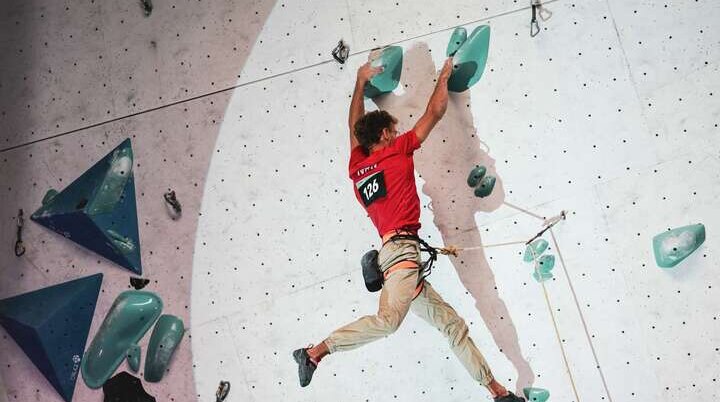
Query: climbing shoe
x=510 y=397
x=306 y=368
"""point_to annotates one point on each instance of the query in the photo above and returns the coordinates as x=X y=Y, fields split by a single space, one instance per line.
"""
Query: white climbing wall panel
x=603 y=115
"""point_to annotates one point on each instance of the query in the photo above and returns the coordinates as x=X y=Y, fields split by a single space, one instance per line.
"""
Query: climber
x=381 y=168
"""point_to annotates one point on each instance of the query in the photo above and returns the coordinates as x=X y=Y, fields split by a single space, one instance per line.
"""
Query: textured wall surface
x=77 y=79
x=610 y=113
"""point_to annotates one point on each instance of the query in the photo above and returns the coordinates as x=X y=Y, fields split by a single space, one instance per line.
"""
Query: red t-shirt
x=384 y=184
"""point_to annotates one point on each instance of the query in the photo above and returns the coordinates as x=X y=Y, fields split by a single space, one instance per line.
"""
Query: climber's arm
x=357 y=104
x=437 y=105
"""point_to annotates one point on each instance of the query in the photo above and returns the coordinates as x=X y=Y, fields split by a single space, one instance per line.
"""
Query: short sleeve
x=356 y=156
x=407 y=143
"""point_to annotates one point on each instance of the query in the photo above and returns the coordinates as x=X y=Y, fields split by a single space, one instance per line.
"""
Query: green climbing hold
x=538 y=247
x=486 y=186
x=458 y=37
x=391 y=59
x=164 y=340
x=536 y=394
x=133 y=357
x=129 y=318
x=49 y=195
x=675 y=245
x=470 y=59
x=476 y=175
x=546 y=263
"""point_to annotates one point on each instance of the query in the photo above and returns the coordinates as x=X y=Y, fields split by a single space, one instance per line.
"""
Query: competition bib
x=372 y=188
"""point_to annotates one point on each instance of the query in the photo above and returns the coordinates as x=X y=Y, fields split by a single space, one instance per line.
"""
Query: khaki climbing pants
x=396 y=299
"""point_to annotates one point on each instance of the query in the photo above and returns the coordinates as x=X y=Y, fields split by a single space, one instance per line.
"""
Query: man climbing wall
x=382 y=170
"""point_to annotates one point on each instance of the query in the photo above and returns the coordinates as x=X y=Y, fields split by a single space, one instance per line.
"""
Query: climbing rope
x=547 y=224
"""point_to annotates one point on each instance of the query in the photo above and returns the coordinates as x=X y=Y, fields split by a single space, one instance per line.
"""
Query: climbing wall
x=601 y=115
x=611 y=113
x=78 y=78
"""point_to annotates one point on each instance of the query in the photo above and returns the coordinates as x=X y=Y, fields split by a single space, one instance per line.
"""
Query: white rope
x=548 y=223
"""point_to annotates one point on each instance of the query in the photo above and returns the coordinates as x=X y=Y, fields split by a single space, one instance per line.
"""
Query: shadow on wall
x=444 y=161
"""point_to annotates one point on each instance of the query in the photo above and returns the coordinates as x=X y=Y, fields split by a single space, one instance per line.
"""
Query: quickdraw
x=222 y=391
x=534 y=26
x=537 y=10
x=173 y=202
x=341 y=52
x=19 y=246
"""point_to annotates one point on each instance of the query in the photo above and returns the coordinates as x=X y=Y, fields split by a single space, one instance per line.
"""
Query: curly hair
x=368 y=128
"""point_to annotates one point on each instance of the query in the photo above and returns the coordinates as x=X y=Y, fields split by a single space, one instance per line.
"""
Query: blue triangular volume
x=51 y=326
x=98 y=210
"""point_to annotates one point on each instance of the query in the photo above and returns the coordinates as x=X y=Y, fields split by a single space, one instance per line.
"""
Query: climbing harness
x=341 y=52
x=173 y=202
x=222 y=391
x=374 y=277
x=19 y=246
x=427 y=265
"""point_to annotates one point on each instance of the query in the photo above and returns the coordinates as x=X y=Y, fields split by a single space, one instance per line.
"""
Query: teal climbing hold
x=391 y=59
x=49 y=195
x=129 y=318
x=538 y=247
x=485 y=187
x=675 y=245
x=51 y=326
x=98 y=209
x=476 y=175
x=470 y=59
x=542 y=276
x=133 y=357
x=546 y=263
x=164 y=340
x=536 y=394
x=458 y=37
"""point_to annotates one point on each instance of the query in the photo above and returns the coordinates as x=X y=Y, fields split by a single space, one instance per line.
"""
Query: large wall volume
x=611 y=113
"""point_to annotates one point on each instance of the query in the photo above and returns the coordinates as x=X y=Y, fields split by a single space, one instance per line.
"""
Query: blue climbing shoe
x=306 y=368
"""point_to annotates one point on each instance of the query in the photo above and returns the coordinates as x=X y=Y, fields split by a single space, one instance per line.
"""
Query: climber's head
x=376 y=128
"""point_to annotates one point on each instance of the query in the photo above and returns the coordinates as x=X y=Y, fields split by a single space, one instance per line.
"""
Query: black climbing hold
x=138 y=283
x=124 y=387
x=147 y=7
